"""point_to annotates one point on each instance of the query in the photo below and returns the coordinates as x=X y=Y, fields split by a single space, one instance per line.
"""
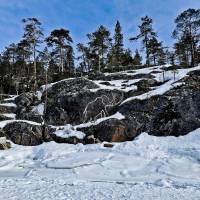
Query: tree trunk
x=35 y=67
x=99 y=62
x=62 y=63
x=46 y=97
x=147 y=51
x=154 y=59
x=191 y=48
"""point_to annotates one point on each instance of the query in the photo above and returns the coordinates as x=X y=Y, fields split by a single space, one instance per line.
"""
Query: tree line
x=36 y=55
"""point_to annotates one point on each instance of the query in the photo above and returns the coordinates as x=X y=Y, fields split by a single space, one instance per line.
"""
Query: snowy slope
x=147 y=168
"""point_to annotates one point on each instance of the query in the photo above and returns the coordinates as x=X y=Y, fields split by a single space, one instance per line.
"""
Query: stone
x=23 y=133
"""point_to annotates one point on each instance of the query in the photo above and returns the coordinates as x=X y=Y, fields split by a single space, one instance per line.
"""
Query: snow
x=117 y=85
x=4 y=123
x=146 y=168
x=43 y=87
x=12 y=98
x=8 y=105
x=39 y=109
x=9 y=115
x=117 y=115
x=171 y=83
x=2 y=140
x=146 y=70
x=69 y=132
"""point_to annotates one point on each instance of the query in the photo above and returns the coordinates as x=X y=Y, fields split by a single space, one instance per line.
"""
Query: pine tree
x=69 y=59
x=99 y=43
x=157 y=52
x=146 y=34
x=188 y=29
x=182 y=51
x=10 y=51
x=84 y=57
x=33 y=35
x=137 y=60
x=127 y=58
x=118 y=50
x=23 y=57
x=61 y=40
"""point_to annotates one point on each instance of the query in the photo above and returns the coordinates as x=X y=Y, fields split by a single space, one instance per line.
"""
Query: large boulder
x=76 y=101
x=25 y=100
x=23 y=133
x=25 y=104
x=110 y=130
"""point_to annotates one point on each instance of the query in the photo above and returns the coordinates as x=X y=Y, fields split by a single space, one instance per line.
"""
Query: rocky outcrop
x=69 y=140
x=175 y=113
x=26 y=134
x=144 y=85
x=118 y=76
x=7 y=109
x=111 y=130
x=25 y=103
x=25 y=100
x=76 y=101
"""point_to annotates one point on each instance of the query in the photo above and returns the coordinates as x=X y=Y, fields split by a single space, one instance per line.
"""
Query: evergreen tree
x=84 y=57
x=146 y=34
x=117 y=50
x=188 y=28
x=61 y=40
x=127 y=58
x=23 y=58
x=33 y=35
x=99 y=43
x=157 y=52
x=137 y=60
x=69 y=59
x=182 y=51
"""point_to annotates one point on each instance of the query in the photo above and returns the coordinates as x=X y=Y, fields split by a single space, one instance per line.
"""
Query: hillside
x=156 y=100
x=131 y=107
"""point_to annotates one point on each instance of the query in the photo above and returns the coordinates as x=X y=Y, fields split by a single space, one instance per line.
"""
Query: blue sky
x=84 y=16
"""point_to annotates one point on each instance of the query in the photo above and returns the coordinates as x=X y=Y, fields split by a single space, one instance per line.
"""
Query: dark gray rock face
x=175 y=113
x=111 y=130
x=25 y=100
x=76 y=101
x=118 y=76
x=30 y=116
x=72 y=102
x=25 y=103
x=145 y=84
x=7 y=109
x=70 y=140
x=24 y=134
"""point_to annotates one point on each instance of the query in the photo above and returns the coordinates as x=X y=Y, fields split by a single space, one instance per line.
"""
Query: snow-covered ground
x=146 y=168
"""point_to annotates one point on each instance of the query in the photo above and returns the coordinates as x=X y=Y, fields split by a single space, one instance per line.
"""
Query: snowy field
x=146 y=168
